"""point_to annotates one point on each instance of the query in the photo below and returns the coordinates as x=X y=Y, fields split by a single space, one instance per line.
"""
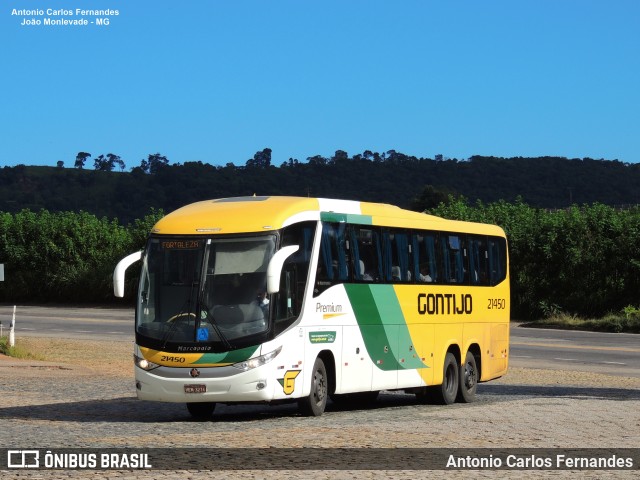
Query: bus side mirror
x=275 y=267
x=118 y=273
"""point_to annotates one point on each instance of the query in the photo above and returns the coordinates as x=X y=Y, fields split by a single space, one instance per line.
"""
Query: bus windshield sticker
x=203 y=335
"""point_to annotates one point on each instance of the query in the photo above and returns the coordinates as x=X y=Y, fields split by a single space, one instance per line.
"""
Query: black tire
x=468 y=381
x=315 y=403
x=201 y=410
x=445 y=394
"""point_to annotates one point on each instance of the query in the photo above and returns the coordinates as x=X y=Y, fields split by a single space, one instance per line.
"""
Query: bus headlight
x=258 y=361
x=143 y=363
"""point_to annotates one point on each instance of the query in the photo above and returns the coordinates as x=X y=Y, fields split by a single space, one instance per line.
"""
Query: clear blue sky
x=217 y=81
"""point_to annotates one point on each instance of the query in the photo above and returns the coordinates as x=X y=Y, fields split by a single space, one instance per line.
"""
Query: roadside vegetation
x=18 y=350
x=621 y=322
x=577 y=267
x=65 y=257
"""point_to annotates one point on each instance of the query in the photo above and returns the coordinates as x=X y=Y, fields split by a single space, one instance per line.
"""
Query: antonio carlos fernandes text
x=79 y=12
x=533 y=461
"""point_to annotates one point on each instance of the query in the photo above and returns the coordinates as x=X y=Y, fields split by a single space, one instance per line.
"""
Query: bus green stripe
x=346 y=217
x=395 y=325
x=234 y=356
x=382 y=325
x=372 y=327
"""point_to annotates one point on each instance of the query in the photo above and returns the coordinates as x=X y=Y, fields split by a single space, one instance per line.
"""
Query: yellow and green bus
x=269 y=299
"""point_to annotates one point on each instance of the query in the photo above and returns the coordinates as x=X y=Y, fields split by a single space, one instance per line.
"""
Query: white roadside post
x=12 y=335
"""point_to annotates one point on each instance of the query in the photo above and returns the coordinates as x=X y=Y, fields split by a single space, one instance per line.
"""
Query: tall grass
x=17 y=351
x=627 y=321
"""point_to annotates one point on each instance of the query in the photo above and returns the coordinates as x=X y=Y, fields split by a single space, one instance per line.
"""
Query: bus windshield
x=199 y=294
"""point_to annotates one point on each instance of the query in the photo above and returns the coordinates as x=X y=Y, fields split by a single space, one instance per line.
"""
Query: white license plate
x=195 y=388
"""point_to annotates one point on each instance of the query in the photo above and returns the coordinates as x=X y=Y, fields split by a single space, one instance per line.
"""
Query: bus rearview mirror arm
x=118 y=272
x=275 y=267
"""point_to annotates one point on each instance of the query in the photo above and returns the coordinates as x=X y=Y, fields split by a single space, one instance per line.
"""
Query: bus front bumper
x=250 y=386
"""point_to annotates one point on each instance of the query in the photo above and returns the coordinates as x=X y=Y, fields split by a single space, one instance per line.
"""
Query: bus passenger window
x=427 y=260
x=414 y=263
x=454 y=260
x=395 y=254
x=358 y=264
x=333 y=266
x=401 y=257
x=364 y=254
x=497 y=260
x=478 y=260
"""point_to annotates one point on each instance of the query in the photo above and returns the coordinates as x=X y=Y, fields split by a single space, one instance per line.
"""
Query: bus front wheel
x=315 y=403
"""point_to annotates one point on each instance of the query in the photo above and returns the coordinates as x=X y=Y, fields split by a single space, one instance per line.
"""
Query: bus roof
x=265 y=213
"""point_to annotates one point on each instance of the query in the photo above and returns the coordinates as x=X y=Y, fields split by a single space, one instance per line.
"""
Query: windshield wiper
x=214 y=325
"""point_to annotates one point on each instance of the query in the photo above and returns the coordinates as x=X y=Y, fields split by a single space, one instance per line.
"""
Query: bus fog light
x=261 y=384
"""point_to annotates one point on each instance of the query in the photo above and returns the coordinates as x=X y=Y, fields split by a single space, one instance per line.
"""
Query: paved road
x=611 y=353
x=70 y=322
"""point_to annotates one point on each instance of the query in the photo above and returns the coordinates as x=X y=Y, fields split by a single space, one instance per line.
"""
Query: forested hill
x=549 y=182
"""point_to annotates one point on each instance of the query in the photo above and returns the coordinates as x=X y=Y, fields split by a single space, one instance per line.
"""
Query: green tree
x=108 y=163
x=81 y=158
x=154 y=163
x=102 y=164
x=261 y=159
x=429 y=198
x=115 y=160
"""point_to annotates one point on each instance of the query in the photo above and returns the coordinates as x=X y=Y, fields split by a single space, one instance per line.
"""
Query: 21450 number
x=497 y=304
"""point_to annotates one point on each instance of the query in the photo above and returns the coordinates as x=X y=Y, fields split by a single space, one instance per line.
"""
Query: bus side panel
x=334 y=311
x=445 y=335
x=385 y=372
x=418 y=348
x=356 y=367
x=287 y=367
x=475 y=332
x=398 y=341
x=488 y=326
x=392 y=345
x=499 y=350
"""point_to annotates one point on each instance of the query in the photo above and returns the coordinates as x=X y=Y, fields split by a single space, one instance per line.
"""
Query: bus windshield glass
x=197 y=292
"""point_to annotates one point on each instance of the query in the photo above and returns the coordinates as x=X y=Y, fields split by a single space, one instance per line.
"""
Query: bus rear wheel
x=445 y=394
x=315 y=403
x=201 y=410
x=468 y=382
